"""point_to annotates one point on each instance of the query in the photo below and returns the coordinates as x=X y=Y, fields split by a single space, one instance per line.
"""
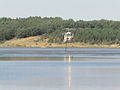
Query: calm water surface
x=59 y=52
x=89 y=69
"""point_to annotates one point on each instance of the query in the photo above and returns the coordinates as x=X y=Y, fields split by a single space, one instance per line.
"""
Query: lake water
x=57 y=69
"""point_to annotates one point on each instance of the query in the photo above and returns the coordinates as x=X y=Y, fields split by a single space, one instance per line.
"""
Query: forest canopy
x=94 y=32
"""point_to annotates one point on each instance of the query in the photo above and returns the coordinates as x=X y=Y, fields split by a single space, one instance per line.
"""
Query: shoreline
x=57 y=45
x=32 y=42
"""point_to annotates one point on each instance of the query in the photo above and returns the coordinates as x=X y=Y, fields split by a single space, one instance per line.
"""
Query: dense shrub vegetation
x=96 y=31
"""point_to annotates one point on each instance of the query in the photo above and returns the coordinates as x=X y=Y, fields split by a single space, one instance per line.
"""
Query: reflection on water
x=60 y=73
x=69 y=76
x=69 y=70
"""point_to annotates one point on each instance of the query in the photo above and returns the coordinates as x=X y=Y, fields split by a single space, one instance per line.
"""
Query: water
x=59 y=52
x=94 y=69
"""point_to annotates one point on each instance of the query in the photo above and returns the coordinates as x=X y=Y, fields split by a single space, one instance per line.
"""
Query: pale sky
x=75 y=9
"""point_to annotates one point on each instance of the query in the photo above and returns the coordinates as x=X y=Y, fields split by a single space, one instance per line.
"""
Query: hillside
x=36 y=41
x=101 y=32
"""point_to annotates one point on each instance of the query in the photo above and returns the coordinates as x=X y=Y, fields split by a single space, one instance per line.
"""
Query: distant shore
x=32 y=42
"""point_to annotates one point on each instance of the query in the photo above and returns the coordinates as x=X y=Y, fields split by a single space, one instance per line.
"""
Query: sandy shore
x=37 y=42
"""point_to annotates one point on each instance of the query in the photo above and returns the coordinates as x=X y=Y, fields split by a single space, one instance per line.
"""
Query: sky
x=67 y=9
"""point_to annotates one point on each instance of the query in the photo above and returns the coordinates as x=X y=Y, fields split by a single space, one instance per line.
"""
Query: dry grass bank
x=36 y=41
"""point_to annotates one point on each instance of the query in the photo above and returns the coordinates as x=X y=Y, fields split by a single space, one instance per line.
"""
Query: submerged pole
x=66 y=47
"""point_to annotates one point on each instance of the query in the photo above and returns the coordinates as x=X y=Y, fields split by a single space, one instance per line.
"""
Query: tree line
x=94 y=32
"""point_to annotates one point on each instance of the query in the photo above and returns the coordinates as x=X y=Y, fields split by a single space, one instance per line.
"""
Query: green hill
x=90 y=32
